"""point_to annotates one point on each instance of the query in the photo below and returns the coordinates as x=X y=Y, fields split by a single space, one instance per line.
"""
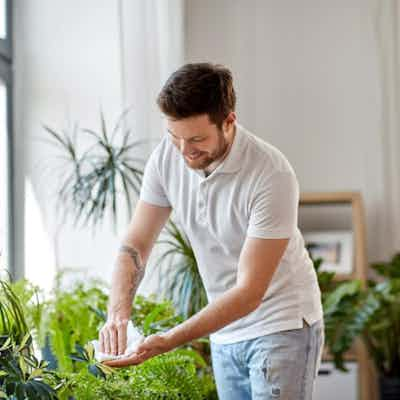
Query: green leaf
x=349 y=288
x=22 y=365
x=7 y=344
x=89 y=348
x=27 y=339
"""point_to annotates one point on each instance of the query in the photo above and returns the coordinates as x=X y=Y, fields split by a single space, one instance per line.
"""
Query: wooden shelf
x=367 y=387
x=329 y=197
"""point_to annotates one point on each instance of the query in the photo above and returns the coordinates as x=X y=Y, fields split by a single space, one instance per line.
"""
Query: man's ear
x=229 y=120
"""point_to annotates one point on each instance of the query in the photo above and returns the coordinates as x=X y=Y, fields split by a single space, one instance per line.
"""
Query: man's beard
x=207 y=159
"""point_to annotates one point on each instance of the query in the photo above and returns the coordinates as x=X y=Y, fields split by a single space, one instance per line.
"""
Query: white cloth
x=254 y=192
x=134 y=338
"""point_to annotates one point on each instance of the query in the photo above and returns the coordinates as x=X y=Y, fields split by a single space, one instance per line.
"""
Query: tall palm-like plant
x=181 y=280
x=91 y=179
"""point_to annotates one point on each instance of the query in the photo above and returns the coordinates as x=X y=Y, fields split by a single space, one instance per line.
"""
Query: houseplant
x=382 y=333
x=181 y=280
x=92 y=177
x=372 y=313
x=22 y=375
x=180 y=374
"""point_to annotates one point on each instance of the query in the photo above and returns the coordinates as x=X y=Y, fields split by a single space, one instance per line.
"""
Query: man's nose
x=184 y=147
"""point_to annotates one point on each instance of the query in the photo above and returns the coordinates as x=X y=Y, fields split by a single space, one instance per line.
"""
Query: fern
x=168 y=376
x=73 y=317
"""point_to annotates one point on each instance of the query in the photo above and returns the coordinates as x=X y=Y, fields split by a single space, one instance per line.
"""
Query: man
x=236 y=197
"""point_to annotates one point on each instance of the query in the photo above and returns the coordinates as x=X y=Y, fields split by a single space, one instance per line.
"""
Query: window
x=6 y=191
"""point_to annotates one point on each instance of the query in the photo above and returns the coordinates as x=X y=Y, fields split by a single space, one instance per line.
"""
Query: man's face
x=199 y=140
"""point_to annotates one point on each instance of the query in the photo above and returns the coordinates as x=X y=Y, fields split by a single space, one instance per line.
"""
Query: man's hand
x=112 y=337
x=152 y=346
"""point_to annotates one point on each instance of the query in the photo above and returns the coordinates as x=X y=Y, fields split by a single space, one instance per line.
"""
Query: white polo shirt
x=252 y=193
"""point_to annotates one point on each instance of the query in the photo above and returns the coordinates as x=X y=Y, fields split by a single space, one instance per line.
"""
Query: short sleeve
x=274 y=207
x=152 y=190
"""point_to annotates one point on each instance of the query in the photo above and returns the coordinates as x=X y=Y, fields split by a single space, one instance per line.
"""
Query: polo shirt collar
x=232 y=162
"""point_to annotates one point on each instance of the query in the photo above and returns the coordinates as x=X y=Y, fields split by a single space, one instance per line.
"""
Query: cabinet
x=361 y=364
x=333 y=384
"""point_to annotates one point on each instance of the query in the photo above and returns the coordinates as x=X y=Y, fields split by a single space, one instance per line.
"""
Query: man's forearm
x=232 y=305
x=127 y=275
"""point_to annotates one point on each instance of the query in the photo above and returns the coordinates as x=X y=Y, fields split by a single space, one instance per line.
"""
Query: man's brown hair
x=199 y=88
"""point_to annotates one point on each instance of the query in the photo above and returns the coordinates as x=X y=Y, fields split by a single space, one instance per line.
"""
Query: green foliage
x=389 y=270
x=69 y=319
x=382 y=333
x=347 y=312
x=181 y=280
x=168 y=376
x=91 y=179
x=31 y=298
x=12 y=319
x=372 y=313
x=21 y=374
x=86 y=354
x=72 y=317
x=153 y=316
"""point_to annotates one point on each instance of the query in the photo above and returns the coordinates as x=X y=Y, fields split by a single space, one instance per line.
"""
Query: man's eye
x=196 y=140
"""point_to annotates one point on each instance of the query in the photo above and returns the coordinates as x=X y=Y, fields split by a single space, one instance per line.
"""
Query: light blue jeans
x=281 y=365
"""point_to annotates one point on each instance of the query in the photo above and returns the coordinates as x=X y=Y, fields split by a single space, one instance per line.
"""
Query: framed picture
x=334 y=247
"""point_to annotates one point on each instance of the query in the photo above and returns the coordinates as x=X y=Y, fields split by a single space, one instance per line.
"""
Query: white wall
x=307 y=77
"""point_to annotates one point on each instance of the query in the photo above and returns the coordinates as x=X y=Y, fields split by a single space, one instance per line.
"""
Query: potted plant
x=382 y=333
x=92 y=177
x=372 y=313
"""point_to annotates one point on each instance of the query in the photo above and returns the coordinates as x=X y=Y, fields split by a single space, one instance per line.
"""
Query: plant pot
x=48 y=355
x=389 y=388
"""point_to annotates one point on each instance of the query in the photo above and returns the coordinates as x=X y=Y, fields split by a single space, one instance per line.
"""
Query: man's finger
x=101 y=340
x=107 y=345
x=114 y=341
x=141 y=346
x=133 y=359
x=121 y=338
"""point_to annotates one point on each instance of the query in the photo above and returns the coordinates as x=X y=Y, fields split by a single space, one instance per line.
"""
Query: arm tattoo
x=134 y=254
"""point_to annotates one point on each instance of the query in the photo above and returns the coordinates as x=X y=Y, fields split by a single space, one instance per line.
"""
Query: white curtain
x=151 y=48
x=387 y=24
